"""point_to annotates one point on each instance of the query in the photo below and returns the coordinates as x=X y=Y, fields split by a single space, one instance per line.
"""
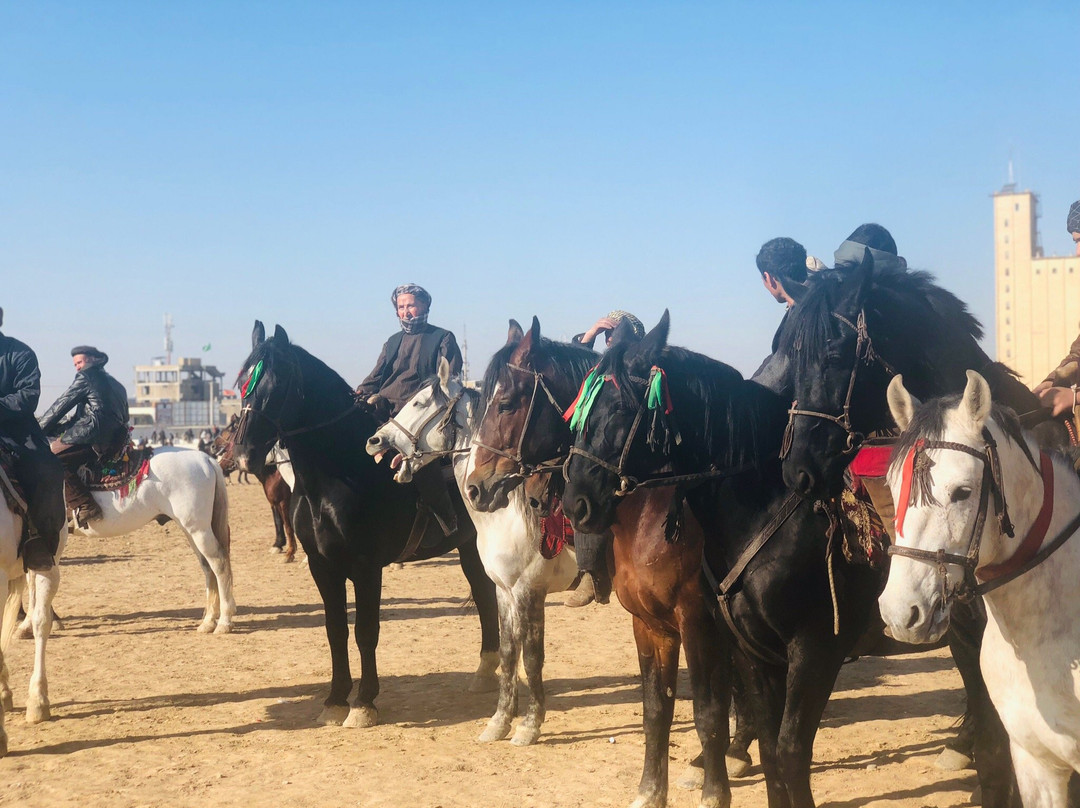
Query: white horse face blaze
x=421 y=416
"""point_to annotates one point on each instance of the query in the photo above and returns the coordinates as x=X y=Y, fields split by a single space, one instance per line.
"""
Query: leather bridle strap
x=447 y=408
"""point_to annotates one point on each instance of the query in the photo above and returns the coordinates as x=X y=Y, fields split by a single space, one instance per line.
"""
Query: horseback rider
x=782 y=263
x=35 y=467
x=1057 y=391
x=97 y=430
x=409 y=358
x=590 y=549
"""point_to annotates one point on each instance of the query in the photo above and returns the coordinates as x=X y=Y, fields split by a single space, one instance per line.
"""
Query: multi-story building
x=1038 y=297
x=187 y=393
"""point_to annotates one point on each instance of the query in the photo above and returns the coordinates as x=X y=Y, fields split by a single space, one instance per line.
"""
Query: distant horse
x=850 y=333
x=978 y=515
x=277 y=482
x=350 y=516
x=784 y=583
x=44 y=585
x=439 y=421
x=187 y=487
x=523 y=437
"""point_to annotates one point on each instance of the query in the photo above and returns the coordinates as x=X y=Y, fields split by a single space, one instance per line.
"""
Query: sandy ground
x=147 y=712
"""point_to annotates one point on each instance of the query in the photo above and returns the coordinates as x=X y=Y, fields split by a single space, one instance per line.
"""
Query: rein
x=915 y=475
x=524 y=469
x=864 y=354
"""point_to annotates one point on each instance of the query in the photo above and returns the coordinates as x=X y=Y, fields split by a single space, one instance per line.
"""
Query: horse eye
x=504 y=406
x=960 y=494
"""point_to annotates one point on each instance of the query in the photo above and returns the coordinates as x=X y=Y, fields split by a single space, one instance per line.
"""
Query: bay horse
x=522 y=437
x=979 y=516
x=348 y=513
x=40 y=615
x=439 y=421
x=187 y=487
x=794 y=596
x=277 y=481
x=849 y=334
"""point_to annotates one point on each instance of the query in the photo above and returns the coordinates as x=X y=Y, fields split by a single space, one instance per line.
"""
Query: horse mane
x=571 y=361
x=905 y=296
x=928 y=423
x=737 y=424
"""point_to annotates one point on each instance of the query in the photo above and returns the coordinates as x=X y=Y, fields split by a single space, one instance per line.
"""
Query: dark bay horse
x=790 y=592
x=527 y=385
x=851 y=332
x=350 y=516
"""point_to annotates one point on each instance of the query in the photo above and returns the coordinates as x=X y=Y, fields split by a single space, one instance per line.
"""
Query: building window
x=1006 y=272
x=1006 y=222
x=1018 y=206
x=1008 y=337
x=1008 y=354
x=1008 y=321
x=1053 y=270
x=1008 y=305
x=1006 y=290
x=1006 y=238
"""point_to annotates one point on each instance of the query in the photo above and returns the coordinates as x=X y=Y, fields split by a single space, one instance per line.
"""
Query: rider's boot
x=585 y=592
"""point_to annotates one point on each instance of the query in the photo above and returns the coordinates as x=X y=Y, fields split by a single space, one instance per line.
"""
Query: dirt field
x=147 y=712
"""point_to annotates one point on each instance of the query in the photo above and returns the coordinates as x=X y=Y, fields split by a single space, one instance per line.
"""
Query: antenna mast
x=168 y=339
x=464 y=353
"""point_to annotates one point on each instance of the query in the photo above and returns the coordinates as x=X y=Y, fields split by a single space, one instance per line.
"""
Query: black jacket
x=407 y=361
x=20 y=389
x=101 y=410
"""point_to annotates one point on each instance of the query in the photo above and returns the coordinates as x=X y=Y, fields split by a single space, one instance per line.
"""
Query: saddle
x=122 y=471
x=855 y=524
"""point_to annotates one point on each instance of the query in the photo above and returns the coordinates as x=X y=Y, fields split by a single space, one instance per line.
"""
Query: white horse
x=439 y=421
x=187 y=487
x=40 y=616
x=981 y=511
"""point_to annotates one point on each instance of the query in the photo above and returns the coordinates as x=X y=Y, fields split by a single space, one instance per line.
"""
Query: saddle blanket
x=555 y=531
x=123 y=473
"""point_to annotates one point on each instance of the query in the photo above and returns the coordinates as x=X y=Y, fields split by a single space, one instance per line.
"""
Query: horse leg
x=290 y=534
x=25 y=629
x=214 y=558
x=45 y=585
x=279 y=530
x=483 y=594
x=658 y=659
x=367 y=586
x=531 y=621
x=738 y=754
x=1040 y=785
x=331 y=586
x=766 y=686
x=993 y=763
x=498 y=726
x=708 y=659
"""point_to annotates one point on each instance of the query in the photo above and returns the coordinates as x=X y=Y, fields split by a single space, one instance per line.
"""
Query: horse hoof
x=525 y=735
x=207 y=627
x=952 y=761
x=394 y=566
x=3 y=744
x=693 y=779
x=333 y=716
x=648 y=801
x=277 y=550
x=223 y=628
x=288 y=559
x=361 y=718
x=8 y=702
x=736 y=767
x=25 y=631
x=496 y=730
x=37 y=713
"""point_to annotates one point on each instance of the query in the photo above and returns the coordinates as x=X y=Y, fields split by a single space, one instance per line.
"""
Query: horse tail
x=219 y=520
x=16 y=587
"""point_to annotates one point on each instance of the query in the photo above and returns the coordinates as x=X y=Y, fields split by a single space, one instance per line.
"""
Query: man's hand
x=1057 y=399
x=604 y=325
x=1037 y=389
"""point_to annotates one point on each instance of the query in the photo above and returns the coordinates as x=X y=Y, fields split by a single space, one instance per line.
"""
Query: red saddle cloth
x=871 y=461
x=122 y=473
x=555 y=531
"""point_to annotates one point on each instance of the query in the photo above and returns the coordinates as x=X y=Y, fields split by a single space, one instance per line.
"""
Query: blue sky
x=295 y=161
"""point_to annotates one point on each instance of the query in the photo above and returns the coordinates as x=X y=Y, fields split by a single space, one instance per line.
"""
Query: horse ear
x=901 y=403
x=444 y=374
x=258 y=335
x=977 y=400
x=534 y=331
x=280 y=335
x=656 y=340
x=513 y=337
x=624 y=332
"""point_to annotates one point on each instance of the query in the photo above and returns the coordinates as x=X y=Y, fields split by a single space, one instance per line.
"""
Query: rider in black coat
x=40 y=473
x=99 y=426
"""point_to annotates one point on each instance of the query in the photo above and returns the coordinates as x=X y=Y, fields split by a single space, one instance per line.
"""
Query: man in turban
x=98 y=427
x=1058 y=391
x=34 y=466
x=408 y=359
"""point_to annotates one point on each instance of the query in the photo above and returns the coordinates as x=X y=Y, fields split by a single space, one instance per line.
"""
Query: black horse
x=350 y=516
x=796 y=599
x=850 y=333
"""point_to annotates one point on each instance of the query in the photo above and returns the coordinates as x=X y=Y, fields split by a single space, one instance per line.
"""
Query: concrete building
x=1038 y=297
x=187 y=393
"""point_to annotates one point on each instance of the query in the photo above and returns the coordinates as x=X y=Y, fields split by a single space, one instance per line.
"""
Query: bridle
x=524 y=469
x=446 y=411
x=627 y=483
x=864 y=354
x=916 y=486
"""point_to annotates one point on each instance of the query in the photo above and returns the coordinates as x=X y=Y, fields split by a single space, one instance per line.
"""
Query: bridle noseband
x=524 y=469
x=446 y=411
x=864 y=354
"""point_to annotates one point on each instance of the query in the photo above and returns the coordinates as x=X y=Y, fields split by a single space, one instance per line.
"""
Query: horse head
x=615 y=419
x=526 y=388
x=271 y=394
x=427 y=427
x=944 y=475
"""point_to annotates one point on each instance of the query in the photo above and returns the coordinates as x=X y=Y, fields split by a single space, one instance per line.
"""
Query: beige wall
x=1038 y=299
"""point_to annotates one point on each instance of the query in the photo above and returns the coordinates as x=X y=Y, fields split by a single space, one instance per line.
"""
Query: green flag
x=206 y=347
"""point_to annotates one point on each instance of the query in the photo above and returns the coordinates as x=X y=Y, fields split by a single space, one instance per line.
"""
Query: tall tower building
x=1038 y=298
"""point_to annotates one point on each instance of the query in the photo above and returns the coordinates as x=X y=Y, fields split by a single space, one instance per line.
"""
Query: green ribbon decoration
x=253 y=379
x=590 y=389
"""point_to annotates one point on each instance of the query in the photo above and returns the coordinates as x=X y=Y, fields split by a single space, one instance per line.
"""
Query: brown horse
x=657 y=578
x=278 y=491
